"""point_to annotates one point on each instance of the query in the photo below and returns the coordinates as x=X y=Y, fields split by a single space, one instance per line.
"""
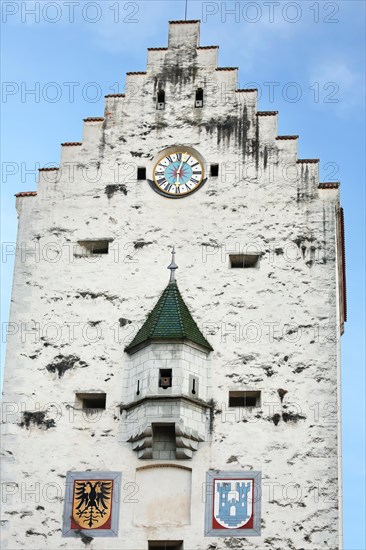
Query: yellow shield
x=92 y=503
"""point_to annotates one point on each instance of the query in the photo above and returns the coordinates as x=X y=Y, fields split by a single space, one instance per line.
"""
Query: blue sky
x=306 y=58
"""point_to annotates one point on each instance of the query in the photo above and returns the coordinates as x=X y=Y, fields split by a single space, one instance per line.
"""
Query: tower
x=135 y=406
x=166 y=381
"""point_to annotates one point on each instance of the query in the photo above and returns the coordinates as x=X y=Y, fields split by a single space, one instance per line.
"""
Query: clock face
x=178 y=174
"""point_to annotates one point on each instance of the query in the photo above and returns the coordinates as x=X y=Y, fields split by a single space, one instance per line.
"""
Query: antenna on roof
x=173 y=266
x=185 y=15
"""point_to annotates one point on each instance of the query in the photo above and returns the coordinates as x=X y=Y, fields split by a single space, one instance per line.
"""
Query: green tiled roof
x=169 y=320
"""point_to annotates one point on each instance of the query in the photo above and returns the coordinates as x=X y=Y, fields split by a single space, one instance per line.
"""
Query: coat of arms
x=233 y=504
x=92 y=500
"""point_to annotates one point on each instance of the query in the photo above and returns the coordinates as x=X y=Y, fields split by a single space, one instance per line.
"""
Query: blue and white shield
x=233 y=502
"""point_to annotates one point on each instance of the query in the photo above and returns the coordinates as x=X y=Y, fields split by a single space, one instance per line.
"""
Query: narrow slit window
x=165 y=378
x=199 y=98
x=193 y=385
x=91 y=401
x=141 y=173
x=93 y=248
x=138 y=388
x=243 y=260
x=244 y=399
x=214 y=170
x=160 y=100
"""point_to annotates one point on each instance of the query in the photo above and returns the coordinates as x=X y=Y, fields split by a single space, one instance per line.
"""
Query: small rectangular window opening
x=94 y=248
x=199 y=98
x=165 y=545
x=214 y=171
x=243 y=260
x=165 y=378
x=92 y=401
x=160 y=100
x=244 y=399
x=141 y=173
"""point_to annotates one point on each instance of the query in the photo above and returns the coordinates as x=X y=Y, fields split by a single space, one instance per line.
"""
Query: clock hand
x=179 y=169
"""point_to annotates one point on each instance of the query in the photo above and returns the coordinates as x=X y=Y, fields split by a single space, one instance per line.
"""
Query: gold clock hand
x=180 y=168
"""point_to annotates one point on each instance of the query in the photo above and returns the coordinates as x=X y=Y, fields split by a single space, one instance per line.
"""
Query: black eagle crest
x=93 y=500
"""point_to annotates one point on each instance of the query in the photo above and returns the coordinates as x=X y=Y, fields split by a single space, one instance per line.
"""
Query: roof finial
x=185 y=15
x=173 y=266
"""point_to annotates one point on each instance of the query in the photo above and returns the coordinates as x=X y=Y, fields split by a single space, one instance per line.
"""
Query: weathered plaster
x=274 y=327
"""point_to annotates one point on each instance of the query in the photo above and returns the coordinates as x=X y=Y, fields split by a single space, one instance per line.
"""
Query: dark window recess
x=214 y=171
x=243 y=260
x=244 y=399
x=194 y=386
x=92 y=400
x=199 y=98
x=97 y=247
x=165 y=545
x=141 y=173
x=165 y=378
x=160 y=100
x=138 y=387
x=163 y=441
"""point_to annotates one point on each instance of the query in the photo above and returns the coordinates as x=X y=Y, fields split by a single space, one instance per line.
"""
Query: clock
x=178 y=174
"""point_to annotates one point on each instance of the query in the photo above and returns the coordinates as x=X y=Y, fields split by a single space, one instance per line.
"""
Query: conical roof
x=169 y=320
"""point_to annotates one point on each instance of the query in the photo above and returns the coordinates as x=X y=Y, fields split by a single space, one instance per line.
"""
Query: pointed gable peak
x=170 y=319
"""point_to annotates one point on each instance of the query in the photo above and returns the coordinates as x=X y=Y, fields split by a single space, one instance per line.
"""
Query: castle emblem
x=233 y=502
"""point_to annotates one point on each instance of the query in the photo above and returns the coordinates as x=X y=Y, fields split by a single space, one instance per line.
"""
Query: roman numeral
x=169 y=159
x=161 y=181
x=179 y=156
x=197 y=172
x=195 y=164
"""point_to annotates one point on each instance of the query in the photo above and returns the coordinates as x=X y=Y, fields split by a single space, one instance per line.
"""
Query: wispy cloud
x=340 y=86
